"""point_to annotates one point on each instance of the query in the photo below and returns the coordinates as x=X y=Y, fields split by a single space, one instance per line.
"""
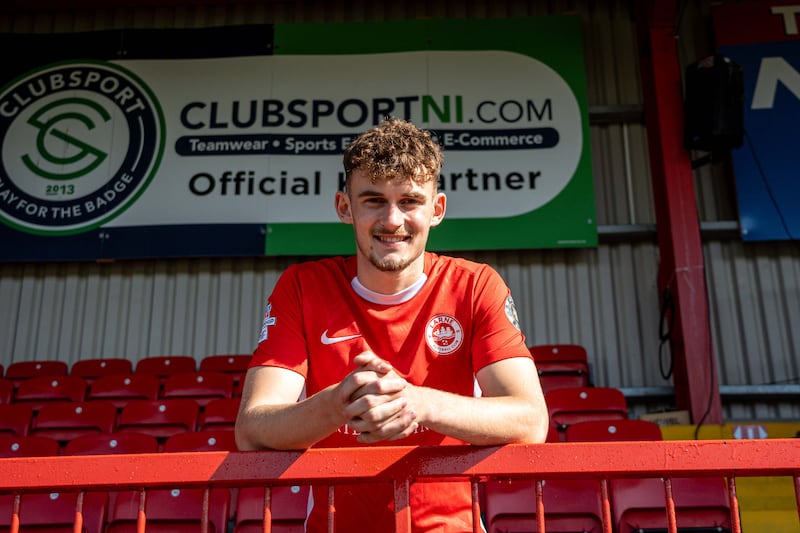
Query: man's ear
x=342 y=206
x=439 y=208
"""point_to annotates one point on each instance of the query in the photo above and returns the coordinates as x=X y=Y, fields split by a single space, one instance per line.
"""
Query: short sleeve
x=282 y=341
x=496 y=332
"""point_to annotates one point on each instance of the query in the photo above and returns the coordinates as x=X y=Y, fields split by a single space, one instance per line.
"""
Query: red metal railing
x=403 y=466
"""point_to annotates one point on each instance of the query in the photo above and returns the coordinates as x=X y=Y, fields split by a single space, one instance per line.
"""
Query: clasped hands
x=377 y=402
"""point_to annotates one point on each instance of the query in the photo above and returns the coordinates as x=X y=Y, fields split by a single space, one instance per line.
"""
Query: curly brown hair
x=395 y=150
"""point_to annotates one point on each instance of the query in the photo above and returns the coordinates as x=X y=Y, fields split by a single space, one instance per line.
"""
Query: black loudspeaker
x=714 y=105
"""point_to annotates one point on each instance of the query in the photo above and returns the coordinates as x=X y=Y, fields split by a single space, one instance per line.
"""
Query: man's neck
x=389 y=282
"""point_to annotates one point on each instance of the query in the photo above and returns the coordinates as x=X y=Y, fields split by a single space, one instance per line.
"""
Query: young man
x=388 y=344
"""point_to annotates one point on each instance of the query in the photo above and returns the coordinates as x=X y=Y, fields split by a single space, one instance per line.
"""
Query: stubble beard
x=387 y=264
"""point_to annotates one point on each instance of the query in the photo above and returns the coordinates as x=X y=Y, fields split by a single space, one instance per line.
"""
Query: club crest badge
x=511 y=313
x=444 y=334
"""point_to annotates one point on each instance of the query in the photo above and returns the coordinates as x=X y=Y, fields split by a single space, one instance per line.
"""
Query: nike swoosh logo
x=333 y=340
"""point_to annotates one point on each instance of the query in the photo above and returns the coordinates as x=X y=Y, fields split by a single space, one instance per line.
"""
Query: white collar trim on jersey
x=388 y=299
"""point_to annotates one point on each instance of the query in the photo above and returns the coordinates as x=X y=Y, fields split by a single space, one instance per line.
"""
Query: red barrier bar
x=540 y=505
x=767 y=457
x=797 y=494
x=672 y=523
x=606 y=504
x=15 y=513
x=402 y=506
x=331 y=508
x=205 y=511
x=476 y=508
x=733 y=502
x=141 y=519
x=268 y=509
x=402 y=466
x=78 y=524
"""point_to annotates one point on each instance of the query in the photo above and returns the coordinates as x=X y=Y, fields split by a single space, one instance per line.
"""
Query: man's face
x=391 y=220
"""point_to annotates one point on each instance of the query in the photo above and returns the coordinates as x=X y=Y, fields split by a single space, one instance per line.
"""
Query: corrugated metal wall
x=604 y=298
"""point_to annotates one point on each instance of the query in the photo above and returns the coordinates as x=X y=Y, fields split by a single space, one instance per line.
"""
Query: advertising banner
x=241 y=155
x=769 y=53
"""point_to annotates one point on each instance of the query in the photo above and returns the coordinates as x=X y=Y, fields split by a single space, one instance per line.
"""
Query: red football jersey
x=459 y=318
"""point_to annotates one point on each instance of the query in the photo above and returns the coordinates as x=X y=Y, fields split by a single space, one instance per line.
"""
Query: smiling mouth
x=392 y=239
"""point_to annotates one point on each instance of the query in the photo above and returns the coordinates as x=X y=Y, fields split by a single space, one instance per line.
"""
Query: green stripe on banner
x=309 y=239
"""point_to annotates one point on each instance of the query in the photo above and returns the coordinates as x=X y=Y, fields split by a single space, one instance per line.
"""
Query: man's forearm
x=483 y=421
x=294 y=426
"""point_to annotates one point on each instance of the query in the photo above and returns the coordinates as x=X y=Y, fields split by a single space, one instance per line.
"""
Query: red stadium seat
x=29 y=446
x=55 y=512
x=6 y=390
x=289 y=506
x=202 y=441
x=170 y=511
x=201 y=387
x=219 y=414
x=46 y=389
x=51 y=512
x=234 y=364
x=22 y=370
x=91 y=369
x=111 y=443
x=15 y=419
x=701 y=504
x=578 y=404
x=570 y=505
x=123 y=388
x=159 y=418
x=64 y=421
x=164 y=366
x=561 y=365
x=612 y=430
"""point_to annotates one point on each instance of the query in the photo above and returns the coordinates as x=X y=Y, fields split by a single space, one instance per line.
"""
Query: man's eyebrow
x=369 y=192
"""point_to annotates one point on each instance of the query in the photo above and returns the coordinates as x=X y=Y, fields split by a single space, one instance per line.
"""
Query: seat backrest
x=6 y=390
x=21 y=370
x=570 y=505
x=111 y=444
x=570 y=357
x=219 y=414
x=170 y=511
x=63 y=421
x=54 y=512
x=123 y=388
x=199 y=386
x=92 y=368
x=569 y=405
x=612 y=430
x=202 y=441
x=28 y=446
x=159 y=418
x=701 y=504
x=289 y=506
x=561 y=365
x=15 y=419
x=226 y=363
x=39 y=391
x=164 y=366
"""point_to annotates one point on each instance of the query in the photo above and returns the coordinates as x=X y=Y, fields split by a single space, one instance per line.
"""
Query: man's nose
x=393 y=217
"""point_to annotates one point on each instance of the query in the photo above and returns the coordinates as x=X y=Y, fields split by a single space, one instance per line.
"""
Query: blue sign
x=766 y=165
